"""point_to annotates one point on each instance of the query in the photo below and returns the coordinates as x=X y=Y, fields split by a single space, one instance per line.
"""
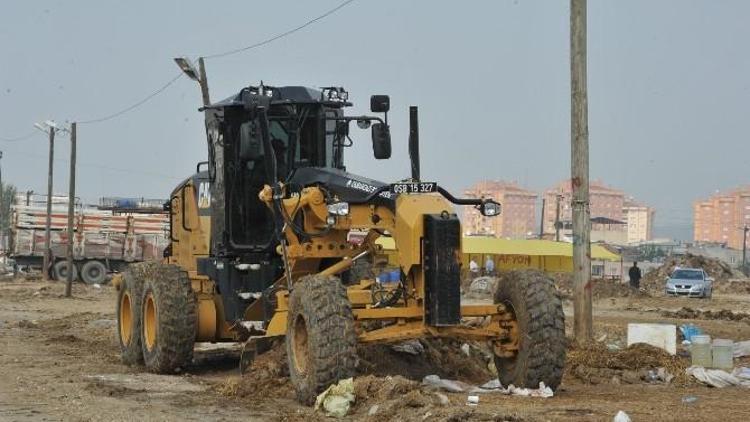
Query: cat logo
x=204 y=195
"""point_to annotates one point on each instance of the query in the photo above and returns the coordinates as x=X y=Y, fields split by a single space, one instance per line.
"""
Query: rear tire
x=129 y=298
x=320 y=341
x=537 y=307
x=60 y=270
x=93 y=272
x=168 y=312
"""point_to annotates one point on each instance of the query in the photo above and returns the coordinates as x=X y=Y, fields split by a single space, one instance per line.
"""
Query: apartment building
x=722 y=217
x=517 y=219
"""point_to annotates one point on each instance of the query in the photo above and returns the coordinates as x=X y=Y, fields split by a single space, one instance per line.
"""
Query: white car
x=690 y=282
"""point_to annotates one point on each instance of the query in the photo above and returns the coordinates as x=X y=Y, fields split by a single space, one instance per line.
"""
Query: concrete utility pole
x=579 y=169
x=541 y=223
x=71 y=208
x=3 y=232
x=203 y=81
x=744 y=248
x=558 y=197
x=47 y=251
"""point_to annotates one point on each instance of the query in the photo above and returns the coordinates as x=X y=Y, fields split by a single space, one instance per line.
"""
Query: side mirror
x=381 y=141
x=490 y=208
x=380 y=103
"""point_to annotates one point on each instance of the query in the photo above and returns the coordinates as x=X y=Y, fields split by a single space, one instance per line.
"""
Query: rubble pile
x=637 y=364
x=602 y=288
x=722 y=315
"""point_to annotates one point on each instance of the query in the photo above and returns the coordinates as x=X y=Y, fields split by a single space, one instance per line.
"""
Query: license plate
x=412 y=188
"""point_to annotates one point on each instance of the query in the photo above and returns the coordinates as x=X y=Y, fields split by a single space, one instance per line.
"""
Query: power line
x=133 y=106
x=19 y=138
x=282 y=35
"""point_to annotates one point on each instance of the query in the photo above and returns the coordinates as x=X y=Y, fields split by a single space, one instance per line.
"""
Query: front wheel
x=532 y=299
x=320 y=338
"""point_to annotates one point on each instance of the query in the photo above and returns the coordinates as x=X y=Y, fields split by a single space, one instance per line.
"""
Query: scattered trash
x=482 y=287
x=412 y=347
x=613 y=347
x=719 y=378
x=690 y=330
x=97 y=286
x=700 y=350
x=621 y=417
x=472 y=400
x=663 y=336
x=466 y=349
x=741 y=348
x=373 y=410
x=442 y=398
x=337 y=399
x=722 y=354
x=492 y=386
x=689 y=399
x=447 y=385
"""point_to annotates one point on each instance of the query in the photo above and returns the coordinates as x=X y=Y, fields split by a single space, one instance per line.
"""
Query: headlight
x=696 y=288
x=339 y=208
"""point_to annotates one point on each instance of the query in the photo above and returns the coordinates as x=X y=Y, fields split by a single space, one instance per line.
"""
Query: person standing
x=635 y=276
x=473 y=268
x=489 y=267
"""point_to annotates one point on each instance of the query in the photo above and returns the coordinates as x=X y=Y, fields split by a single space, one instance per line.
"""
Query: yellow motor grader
x=261 y=247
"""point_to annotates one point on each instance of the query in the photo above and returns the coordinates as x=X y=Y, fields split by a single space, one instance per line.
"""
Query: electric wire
x=281 y=35
x=19 y=138
x=133 y=106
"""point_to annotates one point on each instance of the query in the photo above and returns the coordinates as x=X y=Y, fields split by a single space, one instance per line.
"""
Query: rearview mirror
x=490 y=208
x=380 y=103
x=381 y=141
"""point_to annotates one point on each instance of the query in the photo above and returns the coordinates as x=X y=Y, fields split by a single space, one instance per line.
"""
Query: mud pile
x=639 y=363
x=602 y=288
x=722 y=315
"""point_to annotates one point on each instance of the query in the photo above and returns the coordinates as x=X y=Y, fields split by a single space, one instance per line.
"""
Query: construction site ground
x=59 y=360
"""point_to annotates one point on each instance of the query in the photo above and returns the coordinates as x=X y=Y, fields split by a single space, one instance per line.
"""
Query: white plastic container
x=663 y=336
x=700 y=351
x=722 y=353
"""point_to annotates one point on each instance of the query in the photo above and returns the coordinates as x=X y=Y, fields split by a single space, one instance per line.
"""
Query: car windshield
x=688 y=275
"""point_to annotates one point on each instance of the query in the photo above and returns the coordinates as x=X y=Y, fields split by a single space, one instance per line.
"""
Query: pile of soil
x=719 y=270
x=602 y=288
x=268 y=373
x=380 y=368
x=442 y=357
x=596 y=364
x=722 y=315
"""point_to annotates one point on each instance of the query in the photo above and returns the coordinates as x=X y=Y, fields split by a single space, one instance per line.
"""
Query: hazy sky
x=669 y=88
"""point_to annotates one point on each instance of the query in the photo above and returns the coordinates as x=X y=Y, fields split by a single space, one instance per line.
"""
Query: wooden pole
x=47 y=251
x=579 y=169
x=71 y=208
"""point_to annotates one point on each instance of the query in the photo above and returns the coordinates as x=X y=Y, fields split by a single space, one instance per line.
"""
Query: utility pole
x=47 y=251
x=71 y=208
x=744 y=248
x=558 y=197
x=3 y=232
x=541 y=223
x=203 y=82
x=579 y=169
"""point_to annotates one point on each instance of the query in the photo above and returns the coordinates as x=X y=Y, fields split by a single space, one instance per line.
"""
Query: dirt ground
x=59 y=361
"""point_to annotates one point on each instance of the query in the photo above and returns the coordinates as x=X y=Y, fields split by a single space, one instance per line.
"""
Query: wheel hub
x=299 y=345
x=149 y=321
x=126 y=319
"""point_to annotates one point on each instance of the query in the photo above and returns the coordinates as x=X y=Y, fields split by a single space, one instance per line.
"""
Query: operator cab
x=307 y=129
